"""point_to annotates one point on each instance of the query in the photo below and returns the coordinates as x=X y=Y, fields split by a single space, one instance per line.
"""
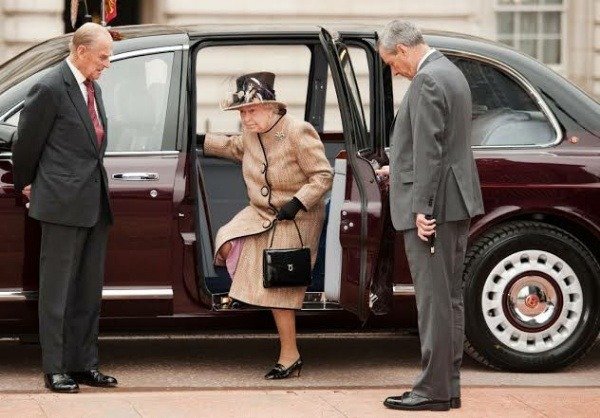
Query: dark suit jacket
x=432 y=170
x=57 y=153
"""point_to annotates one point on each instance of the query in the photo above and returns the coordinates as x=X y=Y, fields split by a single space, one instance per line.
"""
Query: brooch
x=279 y=135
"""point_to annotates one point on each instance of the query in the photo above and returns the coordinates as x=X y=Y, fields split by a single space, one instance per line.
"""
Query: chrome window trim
x=524 y=83
x=12 y=111
x=108 y=293
x=148 y=51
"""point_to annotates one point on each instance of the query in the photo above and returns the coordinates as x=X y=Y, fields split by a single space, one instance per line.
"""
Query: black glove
x=289 y=210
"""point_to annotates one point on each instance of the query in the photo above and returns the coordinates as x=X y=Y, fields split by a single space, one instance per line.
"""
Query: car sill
x=108 y=293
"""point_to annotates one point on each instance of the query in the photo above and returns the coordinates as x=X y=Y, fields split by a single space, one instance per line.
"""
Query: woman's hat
x=251 y=89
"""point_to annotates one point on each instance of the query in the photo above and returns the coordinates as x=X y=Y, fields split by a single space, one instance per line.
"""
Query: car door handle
x=136 y=176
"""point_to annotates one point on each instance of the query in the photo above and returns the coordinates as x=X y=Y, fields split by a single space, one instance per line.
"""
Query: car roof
x=196 y=30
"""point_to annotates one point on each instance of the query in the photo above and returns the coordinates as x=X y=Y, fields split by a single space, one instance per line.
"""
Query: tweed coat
x=287 y=161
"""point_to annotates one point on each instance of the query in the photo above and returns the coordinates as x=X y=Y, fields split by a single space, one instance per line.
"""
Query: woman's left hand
x=289 y=210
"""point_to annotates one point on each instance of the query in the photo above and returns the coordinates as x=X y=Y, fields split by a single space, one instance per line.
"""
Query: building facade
x=564 y=34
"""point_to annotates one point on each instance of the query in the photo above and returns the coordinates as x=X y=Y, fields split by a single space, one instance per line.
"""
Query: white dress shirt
x=428 y=53
x=80 y=78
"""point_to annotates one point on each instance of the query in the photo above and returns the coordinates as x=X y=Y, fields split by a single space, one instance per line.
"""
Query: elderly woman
x=286 y=175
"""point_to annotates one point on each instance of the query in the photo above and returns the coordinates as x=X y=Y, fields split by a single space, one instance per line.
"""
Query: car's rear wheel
x=532 y=297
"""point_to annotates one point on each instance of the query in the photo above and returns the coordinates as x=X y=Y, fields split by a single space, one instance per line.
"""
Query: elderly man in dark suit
x=61 y=140
x=434 y=192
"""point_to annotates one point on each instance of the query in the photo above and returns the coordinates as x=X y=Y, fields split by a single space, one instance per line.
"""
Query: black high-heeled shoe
x=280 y=372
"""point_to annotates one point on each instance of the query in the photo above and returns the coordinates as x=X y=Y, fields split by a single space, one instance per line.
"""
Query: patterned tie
x=91 y=106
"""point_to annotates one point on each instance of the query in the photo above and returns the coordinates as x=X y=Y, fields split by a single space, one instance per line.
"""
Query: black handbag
x=286 y=267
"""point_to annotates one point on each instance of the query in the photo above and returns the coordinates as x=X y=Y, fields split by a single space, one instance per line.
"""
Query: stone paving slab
x=360 y=403
x=331 y=361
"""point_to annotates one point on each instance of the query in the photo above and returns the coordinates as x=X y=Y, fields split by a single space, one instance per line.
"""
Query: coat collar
x=76 y=97
x=430 y=58
x=279 y=131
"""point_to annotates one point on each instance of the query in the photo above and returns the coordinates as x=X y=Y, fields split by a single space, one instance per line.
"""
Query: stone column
x=579 y=43
x=595 y=50
x=24 y=23
x=2 y=26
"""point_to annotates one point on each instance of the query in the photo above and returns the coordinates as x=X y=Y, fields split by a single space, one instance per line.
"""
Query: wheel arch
x=567 y=219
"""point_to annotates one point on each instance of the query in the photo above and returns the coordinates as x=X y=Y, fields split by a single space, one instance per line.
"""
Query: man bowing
x=61 y=140
x=434 y=191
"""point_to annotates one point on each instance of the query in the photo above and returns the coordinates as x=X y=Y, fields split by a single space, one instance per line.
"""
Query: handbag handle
x=297 y=229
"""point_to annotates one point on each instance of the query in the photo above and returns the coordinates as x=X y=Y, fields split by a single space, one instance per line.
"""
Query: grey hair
x=277 y=108
x=400 y=32
x=87 y=35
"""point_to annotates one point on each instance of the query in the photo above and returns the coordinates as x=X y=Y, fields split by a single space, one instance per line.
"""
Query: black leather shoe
x=410 y=401
x=61 y=383
x=455 y=402
x=280 y=372
x=94 y=378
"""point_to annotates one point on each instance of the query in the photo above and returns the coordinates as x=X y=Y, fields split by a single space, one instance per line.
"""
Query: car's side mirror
x=8 y=134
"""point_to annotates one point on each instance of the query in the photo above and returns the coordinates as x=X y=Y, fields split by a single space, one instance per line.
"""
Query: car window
x=218 y=67
x=504 y=114
x=136 y=92
x=332 y=121
x=33 y=61
x=14 y=96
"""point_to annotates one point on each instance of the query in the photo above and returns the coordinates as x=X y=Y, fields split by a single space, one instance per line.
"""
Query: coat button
x=266 y=224
x=263 y=168
x=264 y=191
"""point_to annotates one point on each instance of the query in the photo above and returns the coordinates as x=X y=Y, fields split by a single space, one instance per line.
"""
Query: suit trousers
x=70 y=294
x=439 y=293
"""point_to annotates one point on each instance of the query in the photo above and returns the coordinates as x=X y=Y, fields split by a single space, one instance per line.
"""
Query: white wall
x=26 y=22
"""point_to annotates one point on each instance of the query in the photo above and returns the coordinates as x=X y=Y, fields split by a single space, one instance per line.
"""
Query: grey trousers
x=70 y=295
x=438 y=287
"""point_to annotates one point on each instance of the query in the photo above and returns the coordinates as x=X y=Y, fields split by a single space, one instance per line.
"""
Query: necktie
x=91 y=106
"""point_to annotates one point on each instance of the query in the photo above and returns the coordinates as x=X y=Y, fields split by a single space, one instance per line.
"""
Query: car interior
x=225 y=202
x=504 y=114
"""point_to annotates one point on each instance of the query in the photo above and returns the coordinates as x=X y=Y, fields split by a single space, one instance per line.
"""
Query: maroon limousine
x=532 y=277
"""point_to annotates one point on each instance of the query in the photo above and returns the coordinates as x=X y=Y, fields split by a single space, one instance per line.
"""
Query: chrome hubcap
x=532 y=301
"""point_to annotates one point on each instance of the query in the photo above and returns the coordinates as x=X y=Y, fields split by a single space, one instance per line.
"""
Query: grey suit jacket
x=432 y=170
x=57 y=153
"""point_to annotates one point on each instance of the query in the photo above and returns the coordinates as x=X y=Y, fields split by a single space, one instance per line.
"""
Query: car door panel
x=360 y=225
x=142 y=94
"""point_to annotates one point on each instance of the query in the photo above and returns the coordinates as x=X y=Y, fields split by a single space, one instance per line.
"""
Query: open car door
x=361 y=226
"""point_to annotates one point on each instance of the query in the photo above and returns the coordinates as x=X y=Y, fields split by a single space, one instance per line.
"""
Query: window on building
x=535 y=27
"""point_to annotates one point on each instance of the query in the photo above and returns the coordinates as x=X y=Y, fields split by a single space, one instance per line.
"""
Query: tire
x=532 y=298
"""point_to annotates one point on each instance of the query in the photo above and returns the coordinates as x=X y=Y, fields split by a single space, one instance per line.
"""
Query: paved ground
x=221 y=376
x=355 y=403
